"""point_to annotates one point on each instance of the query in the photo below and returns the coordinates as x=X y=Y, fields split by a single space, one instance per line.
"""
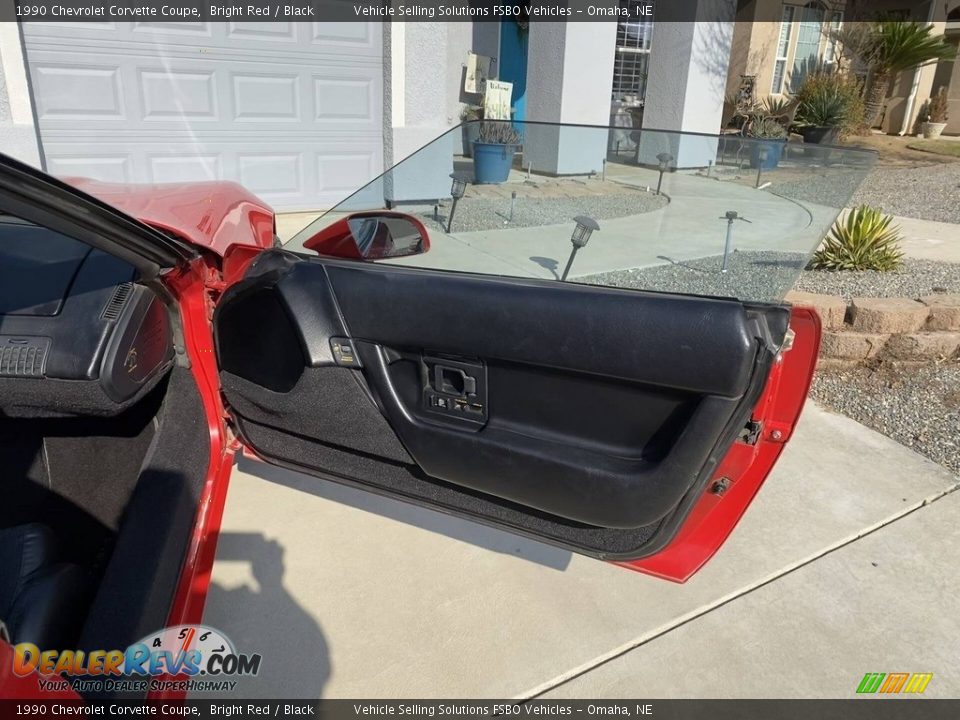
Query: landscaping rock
x=830 y=308
x=922 y=345
x=944 y=312
x=851 y=345
x=887 y=315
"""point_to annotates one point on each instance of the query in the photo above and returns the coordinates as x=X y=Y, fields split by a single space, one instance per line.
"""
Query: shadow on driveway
x=274 y=624
x=457 y=528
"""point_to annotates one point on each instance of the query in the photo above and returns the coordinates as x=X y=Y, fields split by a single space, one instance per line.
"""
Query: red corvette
x=148 y=333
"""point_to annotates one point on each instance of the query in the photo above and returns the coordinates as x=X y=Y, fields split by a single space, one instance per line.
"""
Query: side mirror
x=371 y=236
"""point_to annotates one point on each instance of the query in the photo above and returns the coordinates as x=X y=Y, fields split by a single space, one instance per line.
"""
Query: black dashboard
x=77 y=335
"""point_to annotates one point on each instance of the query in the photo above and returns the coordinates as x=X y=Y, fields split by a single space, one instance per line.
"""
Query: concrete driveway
x=844 y=565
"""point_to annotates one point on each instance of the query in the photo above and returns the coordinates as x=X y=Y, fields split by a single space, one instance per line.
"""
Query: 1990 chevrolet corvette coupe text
x=148 y=333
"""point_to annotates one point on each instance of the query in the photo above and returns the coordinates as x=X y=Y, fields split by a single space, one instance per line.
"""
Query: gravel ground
x=918 y=406
x=767 y=276
x=915 y=278
x=759 y=276
x=931 y=192
x=492 y=214
x=832 y=188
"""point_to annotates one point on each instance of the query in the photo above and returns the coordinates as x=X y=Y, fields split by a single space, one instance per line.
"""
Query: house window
x=783 y=48
x=806 y=44
x=806 y=55
x=830 y=52
x=632 y=56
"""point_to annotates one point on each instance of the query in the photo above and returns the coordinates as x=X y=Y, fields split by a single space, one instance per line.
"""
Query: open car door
x=633 y=424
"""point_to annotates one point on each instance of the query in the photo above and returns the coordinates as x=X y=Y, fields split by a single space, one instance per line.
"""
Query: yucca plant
x=864 y=240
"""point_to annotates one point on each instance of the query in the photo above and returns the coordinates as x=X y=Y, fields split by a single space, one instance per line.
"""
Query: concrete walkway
x=885 y=603
x=351 y=595
x=929 y=240
x=692 y=225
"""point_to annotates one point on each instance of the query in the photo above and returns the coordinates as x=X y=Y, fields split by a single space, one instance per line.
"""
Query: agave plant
x=827 y=107
x=864 y=240
x=780 y=108
x=767 y=128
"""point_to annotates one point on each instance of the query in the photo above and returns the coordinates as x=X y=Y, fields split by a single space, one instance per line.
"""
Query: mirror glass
x=385 y=236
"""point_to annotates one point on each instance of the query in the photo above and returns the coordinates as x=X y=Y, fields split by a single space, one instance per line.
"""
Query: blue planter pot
x=491 y=163
x=774 y=153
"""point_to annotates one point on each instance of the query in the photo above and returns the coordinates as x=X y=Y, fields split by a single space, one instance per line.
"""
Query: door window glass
x=674 y=212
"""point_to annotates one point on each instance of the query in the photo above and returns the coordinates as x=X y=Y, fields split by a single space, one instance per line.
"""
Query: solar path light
x=581 y=236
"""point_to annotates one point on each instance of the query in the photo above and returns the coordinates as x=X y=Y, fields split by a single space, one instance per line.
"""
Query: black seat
x=41 y=600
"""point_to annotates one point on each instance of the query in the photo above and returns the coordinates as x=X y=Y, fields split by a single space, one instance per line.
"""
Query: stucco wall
x=18 y=136
x=754 y=47
x=948 y=76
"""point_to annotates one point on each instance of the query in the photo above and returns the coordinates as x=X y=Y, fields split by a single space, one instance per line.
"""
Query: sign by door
x=496 y=101
x=478 y=70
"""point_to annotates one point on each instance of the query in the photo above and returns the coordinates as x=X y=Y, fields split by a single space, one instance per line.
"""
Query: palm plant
x=892 y=47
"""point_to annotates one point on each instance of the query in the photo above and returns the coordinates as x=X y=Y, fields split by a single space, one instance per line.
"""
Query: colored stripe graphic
x=918 y=682
x=870 y=682
x=894 y=682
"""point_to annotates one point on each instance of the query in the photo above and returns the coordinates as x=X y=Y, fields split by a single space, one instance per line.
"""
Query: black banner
x=874 y=708
x=522 y=11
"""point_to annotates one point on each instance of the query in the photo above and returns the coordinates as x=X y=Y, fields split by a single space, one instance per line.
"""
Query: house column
x=18 y=133
x=569 y=80
x=418 y=149
x=687 y=79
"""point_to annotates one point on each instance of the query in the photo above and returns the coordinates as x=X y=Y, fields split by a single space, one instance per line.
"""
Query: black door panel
x=581 y=414
x=657 y=339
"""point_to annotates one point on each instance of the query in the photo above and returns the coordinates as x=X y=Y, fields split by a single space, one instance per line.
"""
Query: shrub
x=830 y=99
x=937 y=107
x=864 y=240
x=499 y=132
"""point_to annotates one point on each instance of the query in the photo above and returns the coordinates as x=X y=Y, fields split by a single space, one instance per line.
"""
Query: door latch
x=750 y=433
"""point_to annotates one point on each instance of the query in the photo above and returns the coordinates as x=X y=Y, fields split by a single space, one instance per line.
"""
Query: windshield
x=675 y=212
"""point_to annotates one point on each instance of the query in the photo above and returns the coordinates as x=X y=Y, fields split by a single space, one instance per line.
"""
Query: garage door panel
x=178 y=168
x=315 y=174
x=116 y=168
x=177 y=95
x=292 y=110
x=266 y=97
x=364 y=38
x=270 y=31
x=67 y=92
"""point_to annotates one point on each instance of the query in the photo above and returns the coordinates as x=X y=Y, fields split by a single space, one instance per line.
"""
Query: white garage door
x=293 y=111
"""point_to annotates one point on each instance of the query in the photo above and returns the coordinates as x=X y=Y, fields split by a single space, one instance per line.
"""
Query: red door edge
x=744 y=468
x=196 y=307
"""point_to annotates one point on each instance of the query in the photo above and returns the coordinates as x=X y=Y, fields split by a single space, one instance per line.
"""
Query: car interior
x=103 y=446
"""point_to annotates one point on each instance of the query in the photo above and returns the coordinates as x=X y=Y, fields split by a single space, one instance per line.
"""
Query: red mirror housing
x=373 y=235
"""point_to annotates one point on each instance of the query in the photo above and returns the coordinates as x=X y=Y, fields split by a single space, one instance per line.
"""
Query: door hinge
x=750 y=432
